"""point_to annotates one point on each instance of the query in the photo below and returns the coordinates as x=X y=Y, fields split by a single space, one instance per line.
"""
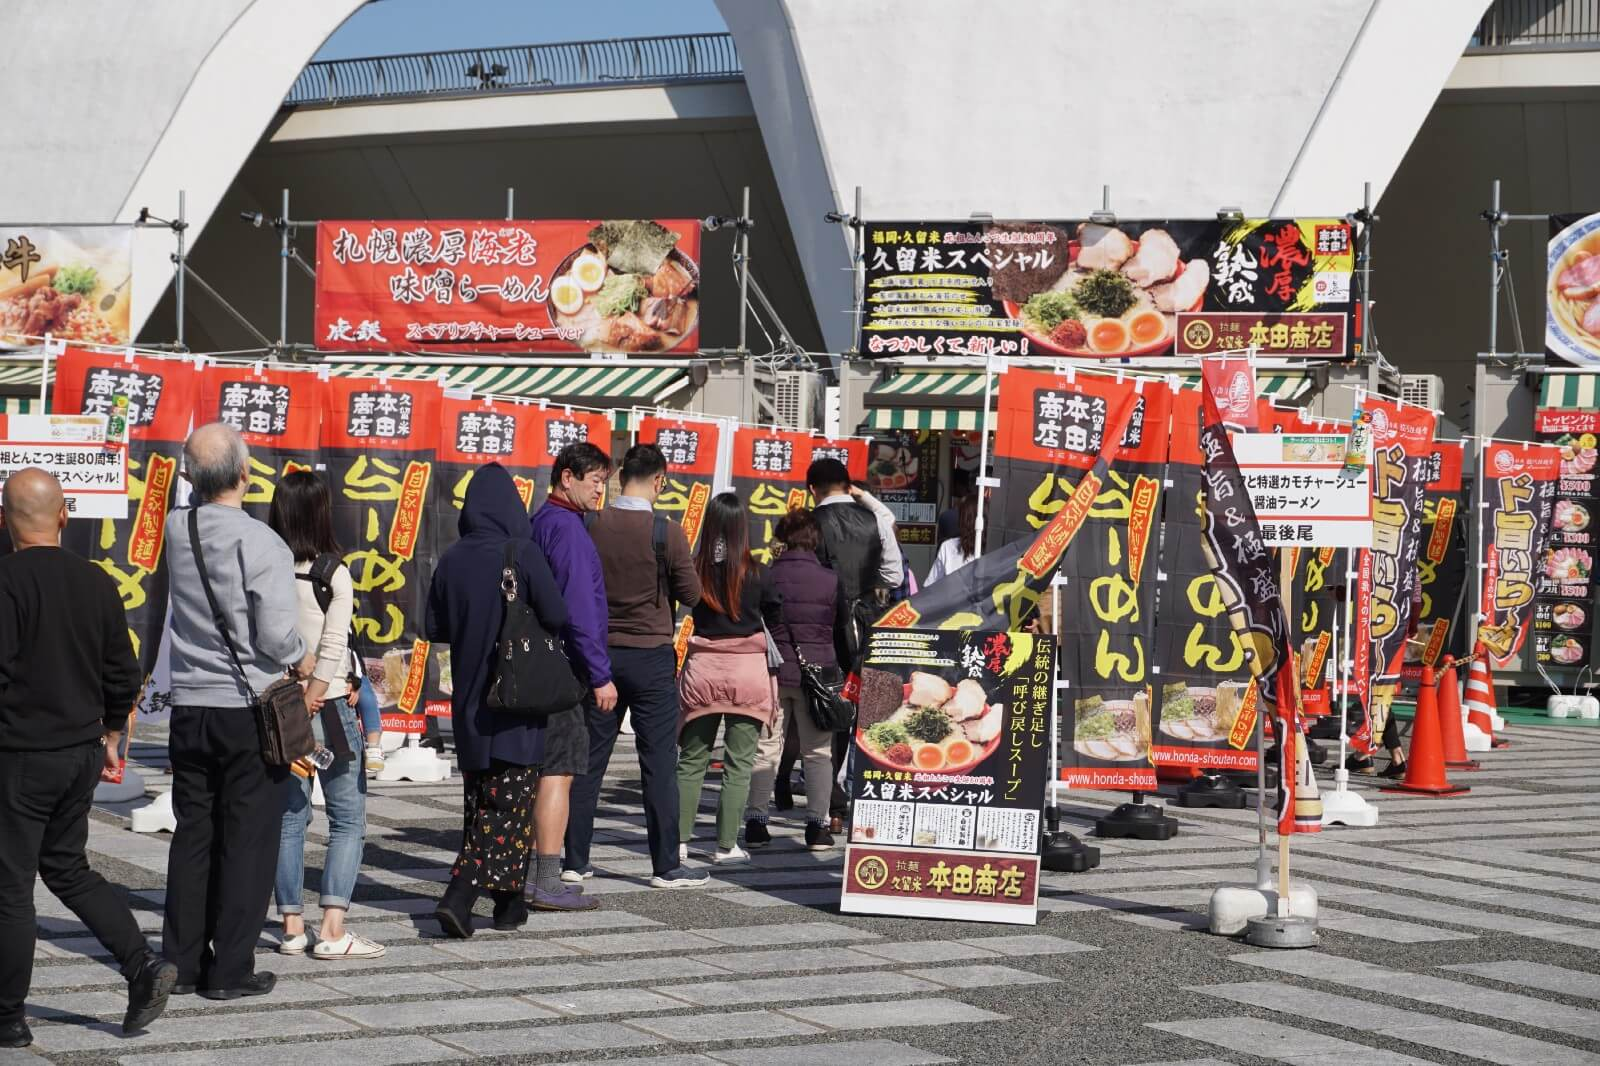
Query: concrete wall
x=120 y=105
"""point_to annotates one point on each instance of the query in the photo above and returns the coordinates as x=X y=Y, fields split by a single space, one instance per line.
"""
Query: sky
x=389 y=27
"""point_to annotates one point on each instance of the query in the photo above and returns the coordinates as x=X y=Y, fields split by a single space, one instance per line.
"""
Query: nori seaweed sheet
x=633 y=246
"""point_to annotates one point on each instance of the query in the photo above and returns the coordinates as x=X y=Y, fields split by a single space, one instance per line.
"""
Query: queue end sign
x=1303 y=493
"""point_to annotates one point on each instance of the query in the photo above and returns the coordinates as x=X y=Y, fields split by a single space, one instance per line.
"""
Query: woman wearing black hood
x=498 y=753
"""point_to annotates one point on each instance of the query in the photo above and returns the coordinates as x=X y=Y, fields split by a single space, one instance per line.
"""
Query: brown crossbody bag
x=282 y=721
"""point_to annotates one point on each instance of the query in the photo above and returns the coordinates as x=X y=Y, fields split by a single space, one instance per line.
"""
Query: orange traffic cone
x=1425 y=760
x=1481 y=710
x=1452 y=735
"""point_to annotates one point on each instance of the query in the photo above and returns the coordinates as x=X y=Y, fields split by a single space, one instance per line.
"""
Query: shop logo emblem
x=872 y=873
x=1504 y=462
x=1198 y=335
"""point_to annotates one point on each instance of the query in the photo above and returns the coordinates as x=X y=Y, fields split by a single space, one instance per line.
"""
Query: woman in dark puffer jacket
x=808 y=618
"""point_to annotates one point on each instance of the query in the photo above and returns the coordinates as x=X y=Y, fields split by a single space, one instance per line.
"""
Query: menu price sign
x=93 y=472
x=1303 y=494
x=951 y=749
x=1564 y=610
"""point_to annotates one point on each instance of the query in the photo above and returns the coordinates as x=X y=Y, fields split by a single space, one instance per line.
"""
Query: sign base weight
x=1232 y=906
x=1212 y=790
x=1146 y=821
x=1292 y=931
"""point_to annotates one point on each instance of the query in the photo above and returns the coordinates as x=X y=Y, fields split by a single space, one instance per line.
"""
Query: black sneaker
x=257 y=984
x=15 y=1034
x=755 y=834
x=148 y=990
x=818 y=838
x=1394 y=770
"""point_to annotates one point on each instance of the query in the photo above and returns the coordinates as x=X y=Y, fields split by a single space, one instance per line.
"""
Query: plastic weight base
x=1348 y=808
x=412 y=763
x=1232 y=906
x=1290 y=931
x=1066 y=854
x=1145 y=821
x=1212 y=790
x=155 y=816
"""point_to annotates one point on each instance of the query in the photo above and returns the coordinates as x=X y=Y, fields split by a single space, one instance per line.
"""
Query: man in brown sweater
x=645 y=561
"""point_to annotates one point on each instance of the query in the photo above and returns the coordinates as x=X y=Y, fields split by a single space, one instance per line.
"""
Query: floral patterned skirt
x=497 y=833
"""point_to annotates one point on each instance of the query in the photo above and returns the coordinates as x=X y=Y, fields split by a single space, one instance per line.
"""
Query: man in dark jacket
x=643 y=581
x=68 y=679
x=577 y=486
x=859 y=545
x=500 y=754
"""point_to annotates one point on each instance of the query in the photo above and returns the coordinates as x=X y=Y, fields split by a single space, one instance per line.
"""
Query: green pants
x=741 y=736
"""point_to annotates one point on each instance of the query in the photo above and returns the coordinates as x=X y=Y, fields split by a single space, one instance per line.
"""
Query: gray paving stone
x=1269 y=1040
x=1025 y=944
x=650 y=1060
x=371 y=1051
x=925 y=951
x=197 y=1029
x=760 y=936
x=75 y=975
x=1185 y=1062
x=578 y=1036
x=791 y=960
x=425 y=1014
x=848 y=1053
x=731 y=1025
x=110 y=1005
x=362 y=986
x=797 y=989
x=636 y=943
x=577 y=974
x=1426 y=1030
x=21 y=1056
x=607 y=1001
x=1536 y=975
x=1396 y=932
x=506 y=949
x=889 y=1014
x=780 y=897
x=980 y=976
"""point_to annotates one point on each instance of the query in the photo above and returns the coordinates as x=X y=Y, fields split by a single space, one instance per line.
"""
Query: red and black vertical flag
x=1441 y=561
x=380 y=443
x=769 y=474
x=160 y=397
x=279 y=414
x=1250 y=596
x=851 y=451
x=1519 y=491
x=1203 y=684
x=691 y=447
x=561 y=426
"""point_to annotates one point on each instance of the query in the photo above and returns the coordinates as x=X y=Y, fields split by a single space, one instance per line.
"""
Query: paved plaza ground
x=1459 y=930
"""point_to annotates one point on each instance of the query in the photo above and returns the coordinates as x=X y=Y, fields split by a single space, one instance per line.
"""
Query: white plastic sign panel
x=92 y=471
x=1304 y=495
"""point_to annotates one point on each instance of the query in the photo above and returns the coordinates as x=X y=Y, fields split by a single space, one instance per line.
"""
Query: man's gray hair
x=215 y=458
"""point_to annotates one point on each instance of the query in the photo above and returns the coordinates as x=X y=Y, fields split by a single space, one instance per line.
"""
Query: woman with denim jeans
x=302 y=514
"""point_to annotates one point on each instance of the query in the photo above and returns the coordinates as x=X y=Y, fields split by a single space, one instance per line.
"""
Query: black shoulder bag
x=531 y=674
x=824 y=687
x=282 y=721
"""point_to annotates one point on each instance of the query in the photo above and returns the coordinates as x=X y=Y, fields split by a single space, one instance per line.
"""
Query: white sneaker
x=577 y=877
x=730 y=857
x=348 y=946
x=293 y=945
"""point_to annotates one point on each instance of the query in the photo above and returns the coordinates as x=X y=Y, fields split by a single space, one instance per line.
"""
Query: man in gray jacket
x=229 y=803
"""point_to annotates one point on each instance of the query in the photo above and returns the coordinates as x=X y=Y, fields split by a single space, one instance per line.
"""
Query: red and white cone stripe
x=1480 y=701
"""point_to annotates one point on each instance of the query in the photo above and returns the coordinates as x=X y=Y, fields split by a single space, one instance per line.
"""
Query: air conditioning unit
x=793 y=398
x=1424 y=390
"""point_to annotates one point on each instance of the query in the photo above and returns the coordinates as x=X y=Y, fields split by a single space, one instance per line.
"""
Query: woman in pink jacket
x=725 y=680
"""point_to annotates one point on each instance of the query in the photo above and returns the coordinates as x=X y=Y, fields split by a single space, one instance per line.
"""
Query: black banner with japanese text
x=769 y=474
x=1441 y=564
x=1519 y=491
x=279 y=414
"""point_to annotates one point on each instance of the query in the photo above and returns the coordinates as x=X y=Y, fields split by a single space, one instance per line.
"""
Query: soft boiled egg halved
x=589 y=271
x=566 y=294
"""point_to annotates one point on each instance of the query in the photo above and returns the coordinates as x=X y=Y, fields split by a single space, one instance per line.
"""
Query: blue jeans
x=367 y=707
x=344 y=786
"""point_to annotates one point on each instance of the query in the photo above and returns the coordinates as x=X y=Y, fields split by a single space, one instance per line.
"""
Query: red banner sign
x=584 y=285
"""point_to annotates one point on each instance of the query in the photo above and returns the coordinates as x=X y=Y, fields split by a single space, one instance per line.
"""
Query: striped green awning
x=20 y=375
x=953 y=398
x=593 y=384
x=1570 y=392
x=19 y=405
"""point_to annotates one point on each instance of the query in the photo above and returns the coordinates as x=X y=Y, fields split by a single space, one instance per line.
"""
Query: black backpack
x=323 y=567
x=658 y=545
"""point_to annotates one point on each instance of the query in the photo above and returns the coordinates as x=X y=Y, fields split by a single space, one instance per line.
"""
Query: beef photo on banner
x=769 y=474
x=1563 y=622
x=1051 y=428
x=690 y=447
x=1441 y=562
x=1386 y=573
x=1005 y=588
x=380 y=443
x=621 y=285
x=160 y=399
x=279 y=414
x=1249 y=592
x=1203 y=674
x=472 y=433
x=558 y=427
x=1519 y=489
x=1132 y=288
x=951 y=754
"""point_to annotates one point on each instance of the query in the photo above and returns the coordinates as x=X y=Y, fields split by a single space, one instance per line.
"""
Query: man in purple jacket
x=577 y=486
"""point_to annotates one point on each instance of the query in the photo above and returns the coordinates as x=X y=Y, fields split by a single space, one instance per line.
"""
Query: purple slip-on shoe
x=570 y=898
